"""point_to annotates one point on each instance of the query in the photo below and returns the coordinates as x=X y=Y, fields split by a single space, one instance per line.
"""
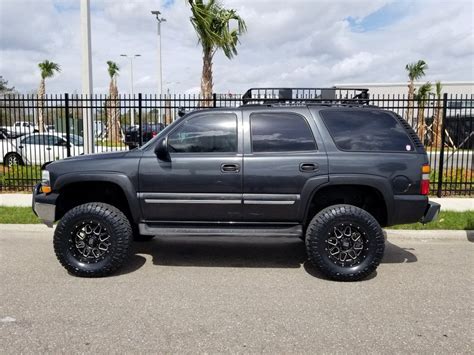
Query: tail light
x=45 y=182
x=425 y=180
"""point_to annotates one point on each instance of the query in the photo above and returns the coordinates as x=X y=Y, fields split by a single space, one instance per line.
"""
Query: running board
x=249 y=231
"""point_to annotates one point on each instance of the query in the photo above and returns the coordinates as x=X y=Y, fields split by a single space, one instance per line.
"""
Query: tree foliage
x=113 y=69
x=212 y=23
x=4 y=89
x=48 y=69
x=416 y=70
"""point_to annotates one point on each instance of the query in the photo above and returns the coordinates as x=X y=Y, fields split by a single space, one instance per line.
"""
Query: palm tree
x=113 y=110
x=48 y=69
x=212 y=24
x=415 y=71
x=437 y=121
x=421 y=97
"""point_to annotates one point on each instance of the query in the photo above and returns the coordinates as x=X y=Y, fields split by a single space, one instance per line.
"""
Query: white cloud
x=297 y=43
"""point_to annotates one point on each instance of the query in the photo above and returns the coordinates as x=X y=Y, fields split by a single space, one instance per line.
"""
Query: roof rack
x=300 y=96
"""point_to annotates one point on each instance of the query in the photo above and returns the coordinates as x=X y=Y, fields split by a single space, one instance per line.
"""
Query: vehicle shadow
x=244 y=252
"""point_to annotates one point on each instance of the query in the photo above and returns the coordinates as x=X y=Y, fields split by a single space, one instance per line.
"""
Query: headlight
x=45 y=182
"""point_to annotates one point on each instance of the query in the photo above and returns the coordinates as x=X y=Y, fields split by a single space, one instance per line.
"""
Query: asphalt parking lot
x=247 y=295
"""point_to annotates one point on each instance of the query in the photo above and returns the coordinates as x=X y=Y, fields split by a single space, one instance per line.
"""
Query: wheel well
x=366 y=197
x=78 y=193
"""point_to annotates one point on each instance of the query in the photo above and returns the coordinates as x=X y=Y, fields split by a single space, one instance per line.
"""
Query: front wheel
x=345 y=242
x=93 y=240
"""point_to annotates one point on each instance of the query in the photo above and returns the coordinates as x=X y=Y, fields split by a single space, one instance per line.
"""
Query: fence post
x=214 y=100
x=443 y=140
x=140 y=133
x=68 y=124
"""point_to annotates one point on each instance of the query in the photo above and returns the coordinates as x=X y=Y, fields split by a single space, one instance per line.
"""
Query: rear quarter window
x=361 y=130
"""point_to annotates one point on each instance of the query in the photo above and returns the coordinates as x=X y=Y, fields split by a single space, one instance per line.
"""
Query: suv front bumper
x=44 y=206
x=431 y=212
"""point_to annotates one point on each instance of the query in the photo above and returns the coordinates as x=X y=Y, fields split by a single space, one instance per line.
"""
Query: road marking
x=7 y=320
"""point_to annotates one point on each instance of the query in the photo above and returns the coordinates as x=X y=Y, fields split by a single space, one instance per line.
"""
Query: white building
x=450 y=87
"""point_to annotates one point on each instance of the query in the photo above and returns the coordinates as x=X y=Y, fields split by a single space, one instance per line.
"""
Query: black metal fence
x=444 y=124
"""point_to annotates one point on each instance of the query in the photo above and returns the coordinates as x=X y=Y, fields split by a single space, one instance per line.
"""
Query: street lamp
x=160 y=72
x=131 y=57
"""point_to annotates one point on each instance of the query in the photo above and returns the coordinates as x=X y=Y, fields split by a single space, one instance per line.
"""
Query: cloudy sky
x=306 y=43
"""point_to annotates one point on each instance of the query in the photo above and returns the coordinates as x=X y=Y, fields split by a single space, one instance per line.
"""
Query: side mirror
x=161 y=150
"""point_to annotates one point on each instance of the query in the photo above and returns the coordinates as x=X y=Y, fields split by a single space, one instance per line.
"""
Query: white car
x=7 y=145
x=21 y=128
x=41 y=148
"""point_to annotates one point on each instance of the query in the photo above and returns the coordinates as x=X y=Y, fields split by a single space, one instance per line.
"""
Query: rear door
x=284 y=159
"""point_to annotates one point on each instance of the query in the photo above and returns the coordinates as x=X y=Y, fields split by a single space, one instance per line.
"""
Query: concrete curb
x=430 y=235
x=391 y=234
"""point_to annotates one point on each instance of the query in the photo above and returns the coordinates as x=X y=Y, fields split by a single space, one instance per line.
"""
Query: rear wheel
x=345 y=242
x=12 y=159
x=93 y=239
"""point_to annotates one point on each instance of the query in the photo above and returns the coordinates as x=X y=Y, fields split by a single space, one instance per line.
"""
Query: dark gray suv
x=330 y=174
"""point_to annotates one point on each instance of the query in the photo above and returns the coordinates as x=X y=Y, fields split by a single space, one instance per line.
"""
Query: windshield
x=75 y=139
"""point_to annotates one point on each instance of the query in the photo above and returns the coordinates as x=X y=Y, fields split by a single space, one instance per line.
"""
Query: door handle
x=307 y=167
x=48 y=148
x=230 y=168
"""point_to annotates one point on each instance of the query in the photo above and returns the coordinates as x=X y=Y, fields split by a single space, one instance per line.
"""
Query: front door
x=284 y=159
x=202 y=181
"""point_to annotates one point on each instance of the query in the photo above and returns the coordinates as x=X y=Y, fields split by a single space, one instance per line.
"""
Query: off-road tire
x=320 y=229
x=118 y=227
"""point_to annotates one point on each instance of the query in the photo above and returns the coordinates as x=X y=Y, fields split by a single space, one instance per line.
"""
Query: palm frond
x=113 y=69
x=439 y=89
x=48 y=69
x=212 y=24
x=423 y=92
x=416 y=70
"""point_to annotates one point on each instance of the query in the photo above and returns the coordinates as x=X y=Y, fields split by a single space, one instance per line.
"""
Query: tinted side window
x=366 y=131
x=54 y=140
x=38 y=139
x=280 y=132
x=215 y=133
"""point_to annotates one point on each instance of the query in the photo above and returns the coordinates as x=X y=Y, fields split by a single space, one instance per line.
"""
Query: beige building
x=450 y=87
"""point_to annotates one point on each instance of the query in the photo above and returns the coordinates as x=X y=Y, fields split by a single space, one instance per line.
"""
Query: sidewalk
x=447 y=203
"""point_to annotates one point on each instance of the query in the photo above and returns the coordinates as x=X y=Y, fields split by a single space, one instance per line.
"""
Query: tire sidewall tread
x=120 y=231
x=320 y=226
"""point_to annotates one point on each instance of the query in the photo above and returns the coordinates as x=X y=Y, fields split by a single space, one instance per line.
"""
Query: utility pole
x=132 y=108
x=160 y=71
x=86 y=72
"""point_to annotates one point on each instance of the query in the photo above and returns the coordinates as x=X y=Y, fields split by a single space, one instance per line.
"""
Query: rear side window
x=357 y=130
x=280 y=132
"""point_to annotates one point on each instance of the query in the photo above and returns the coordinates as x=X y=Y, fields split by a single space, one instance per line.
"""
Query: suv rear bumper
x=431 y=212
x=44 y=206
x=412 y=209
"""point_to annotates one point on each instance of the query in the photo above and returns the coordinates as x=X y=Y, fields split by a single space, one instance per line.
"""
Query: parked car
x=21 y=128
x=6 y=146
x=41 y=148
x=330 y=174
x=131 y=137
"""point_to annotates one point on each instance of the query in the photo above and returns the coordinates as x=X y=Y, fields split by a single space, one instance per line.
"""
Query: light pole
x=160 y=72
x=86 y=71
x=131 y=57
